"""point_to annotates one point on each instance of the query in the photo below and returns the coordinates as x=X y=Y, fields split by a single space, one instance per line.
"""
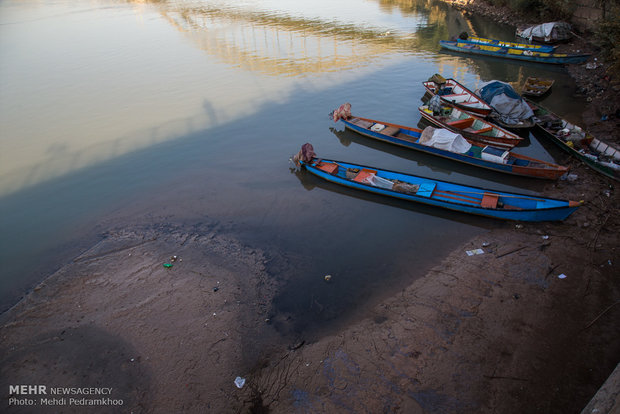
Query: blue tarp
x=495 y=88
x=508 y=104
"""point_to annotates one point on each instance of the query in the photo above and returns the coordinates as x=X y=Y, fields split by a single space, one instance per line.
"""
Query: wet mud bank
x=166 y=316
x=530 y=325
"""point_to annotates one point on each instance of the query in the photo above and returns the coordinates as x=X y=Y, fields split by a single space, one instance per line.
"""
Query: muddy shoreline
x=495 y=332
x=528 y=326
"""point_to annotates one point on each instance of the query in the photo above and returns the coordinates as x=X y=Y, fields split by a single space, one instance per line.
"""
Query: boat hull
x=494 y=42
x=443 y=194
x=515 y=54
x=536 y=87
x=462 y=98
x=591 y=162
x=506 y=139
x=548 y=171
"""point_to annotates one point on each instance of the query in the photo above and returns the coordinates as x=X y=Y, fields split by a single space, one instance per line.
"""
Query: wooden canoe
x=454 y=93
x=471 y=127
x=467 y=199
x=407 y=137
x=536 y=87
x=601 y=156
x=514 y=53
x=501 y=43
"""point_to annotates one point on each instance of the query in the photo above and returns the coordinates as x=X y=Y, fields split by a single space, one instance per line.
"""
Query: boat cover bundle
x=444 y=139
x=506 y=101
x=305 y=154
x=550 y=32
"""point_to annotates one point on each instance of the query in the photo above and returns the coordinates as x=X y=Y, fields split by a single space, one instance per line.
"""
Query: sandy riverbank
x=495 y=332
x=166 y=339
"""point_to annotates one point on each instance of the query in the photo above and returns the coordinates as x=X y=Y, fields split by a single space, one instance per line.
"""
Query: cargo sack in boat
x=445 y=91
x=405 y=187
x=435 y=105
x=438 y=79
x=445 y=140
x=375 y=181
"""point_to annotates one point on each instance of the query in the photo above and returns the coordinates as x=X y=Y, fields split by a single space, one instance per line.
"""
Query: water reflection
x=279 y=40
x=152 y=92
x=125 y=83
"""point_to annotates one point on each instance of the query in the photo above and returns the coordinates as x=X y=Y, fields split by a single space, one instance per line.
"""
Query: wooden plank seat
x=458 y=97
x=361 y=123
x=328 y=167
x=426 y=189
x=391 y=131
x=483 y=130
x=407 y=137
x=489 y=200
x=461 y=123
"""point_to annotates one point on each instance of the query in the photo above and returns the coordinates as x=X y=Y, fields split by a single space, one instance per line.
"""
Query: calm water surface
x=114 y=111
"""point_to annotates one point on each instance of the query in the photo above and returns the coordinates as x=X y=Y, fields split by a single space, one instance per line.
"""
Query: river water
x=119 y=111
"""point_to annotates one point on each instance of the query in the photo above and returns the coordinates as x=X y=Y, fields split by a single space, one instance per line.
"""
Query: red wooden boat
x=471 y=127
x=454 y=93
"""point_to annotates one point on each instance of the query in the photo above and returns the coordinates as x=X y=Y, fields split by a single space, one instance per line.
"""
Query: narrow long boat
x=471 y=127
x=597 y=154
x=478 y=155
x=513 y=53
x=467 y=199
x=493 y=42
x=536 y=87
x=454 y=93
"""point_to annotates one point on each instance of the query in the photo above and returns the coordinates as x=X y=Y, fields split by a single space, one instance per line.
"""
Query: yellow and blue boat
x=513 y=53
x=501 y=43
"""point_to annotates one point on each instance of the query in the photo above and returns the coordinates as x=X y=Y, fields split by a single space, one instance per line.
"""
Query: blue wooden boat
x=513 y=53
x=467 y=199
x=479 y=155
x=494 y=42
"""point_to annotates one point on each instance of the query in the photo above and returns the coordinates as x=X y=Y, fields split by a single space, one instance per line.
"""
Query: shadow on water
x=310 y=182
x=307 y=306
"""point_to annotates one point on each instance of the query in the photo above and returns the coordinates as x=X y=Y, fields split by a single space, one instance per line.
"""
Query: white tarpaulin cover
x=444 y=139
x=505 y=101
x=550 y=32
